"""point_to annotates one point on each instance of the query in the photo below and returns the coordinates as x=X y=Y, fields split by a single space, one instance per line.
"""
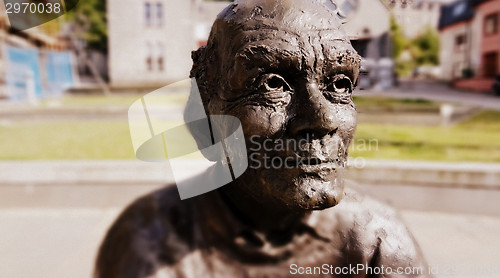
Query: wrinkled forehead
x=290 y=42
x=294 y=27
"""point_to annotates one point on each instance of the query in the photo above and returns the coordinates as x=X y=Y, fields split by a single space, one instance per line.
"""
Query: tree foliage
x=399 y=42
x=411 y=53
x=90 y=17
x=426 y=48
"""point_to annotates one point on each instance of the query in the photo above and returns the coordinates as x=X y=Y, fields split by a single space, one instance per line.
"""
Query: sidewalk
x=60 y=240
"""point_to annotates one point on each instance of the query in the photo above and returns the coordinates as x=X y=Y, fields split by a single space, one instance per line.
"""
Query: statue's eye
x=340 y=84
x=274 y=82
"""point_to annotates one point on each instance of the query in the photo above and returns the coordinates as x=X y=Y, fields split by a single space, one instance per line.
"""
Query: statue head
x=286 y=69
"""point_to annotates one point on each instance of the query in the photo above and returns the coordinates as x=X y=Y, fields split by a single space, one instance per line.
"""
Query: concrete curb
x=462 y=175
x=437 y=174
x=84 y=172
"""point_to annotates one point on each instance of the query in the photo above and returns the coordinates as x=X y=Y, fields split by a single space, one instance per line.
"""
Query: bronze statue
x=286 y=70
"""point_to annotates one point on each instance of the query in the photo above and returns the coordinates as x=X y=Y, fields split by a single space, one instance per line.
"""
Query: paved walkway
x=60 y=240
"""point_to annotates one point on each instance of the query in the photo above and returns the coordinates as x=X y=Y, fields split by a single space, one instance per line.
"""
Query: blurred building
x=368 y=27
x=414 y=16
x=150 y=41
x=470 y=43
x=29 y=55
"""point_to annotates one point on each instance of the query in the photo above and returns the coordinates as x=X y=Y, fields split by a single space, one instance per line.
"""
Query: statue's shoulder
x=161 y=211
x=359 y=211
x=363 y=209
x=375 y=231
x=152 y=231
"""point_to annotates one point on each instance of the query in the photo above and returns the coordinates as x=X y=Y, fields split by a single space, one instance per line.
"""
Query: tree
x=90 y=18
x=400 y=46
x=88 y=24
x=426 y=48
x=411 y=53
x=399 y=41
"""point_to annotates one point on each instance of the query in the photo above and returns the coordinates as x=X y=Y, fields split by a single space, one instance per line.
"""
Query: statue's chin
x=314 y=194
x=295 y=189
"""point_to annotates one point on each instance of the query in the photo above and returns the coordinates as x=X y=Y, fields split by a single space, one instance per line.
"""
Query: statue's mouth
x=315 y=156
x=315 y=163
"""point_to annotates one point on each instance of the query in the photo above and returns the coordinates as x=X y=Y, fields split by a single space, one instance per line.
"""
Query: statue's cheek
x=348 y=117
x=262 y=121
x=348 y=122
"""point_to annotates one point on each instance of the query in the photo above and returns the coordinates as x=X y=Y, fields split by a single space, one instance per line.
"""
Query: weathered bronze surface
x=286 y=70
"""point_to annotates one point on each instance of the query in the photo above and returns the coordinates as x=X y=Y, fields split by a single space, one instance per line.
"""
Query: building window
x=147 y=14
x=159 y=58
x=149 y=57
x=491 y=24
x=159 y=14
x=149 y=63
x=460 y=42
x=154 y=56
x=490 y=62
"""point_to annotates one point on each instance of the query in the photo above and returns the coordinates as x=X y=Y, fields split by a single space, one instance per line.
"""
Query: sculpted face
x=286 y=70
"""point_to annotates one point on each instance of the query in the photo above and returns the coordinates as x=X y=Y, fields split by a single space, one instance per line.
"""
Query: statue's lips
x=314 y=163
x=314 y=159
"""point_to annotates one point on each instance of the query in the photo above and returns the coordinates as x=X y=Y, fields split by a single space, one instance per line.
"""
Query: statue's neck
x=261 y=215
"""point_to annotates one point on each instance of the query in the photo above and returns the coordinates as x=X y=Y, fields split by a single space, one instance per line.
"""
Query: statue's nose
x=315 y=115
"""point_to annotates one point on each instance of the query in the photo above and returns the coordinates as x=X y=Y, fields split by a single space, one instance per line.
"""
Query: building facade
x=16 y=47
x=488 y=16
x=470 y=43
x=369 y=30
x=459 y=43
x=150 y=41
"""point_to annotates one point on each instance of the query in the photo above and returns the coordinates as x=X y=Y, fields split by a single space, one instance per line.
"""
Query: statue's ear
x=200 y=73
x=199 y=62
x=195 y=113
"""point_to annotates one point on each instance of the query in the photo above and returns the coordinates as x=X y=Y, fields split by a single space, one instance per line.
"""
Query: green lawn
x=66 y=140
x=477 y=139
x=381 y=104
x=125 y=100
x=362 y=103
